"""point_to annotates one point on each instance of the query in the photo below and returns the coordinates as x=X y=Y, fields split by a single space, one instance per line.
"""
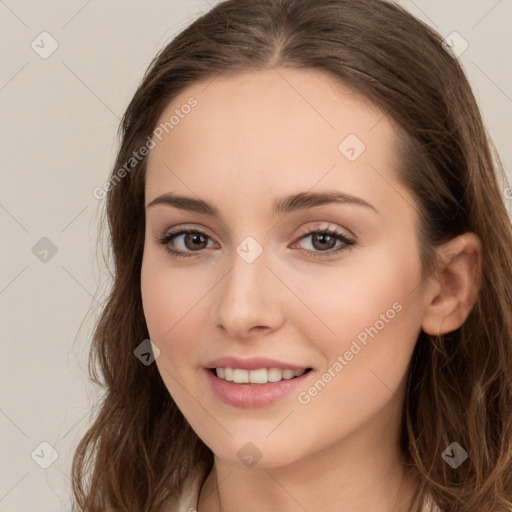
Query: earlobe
x=454 y=291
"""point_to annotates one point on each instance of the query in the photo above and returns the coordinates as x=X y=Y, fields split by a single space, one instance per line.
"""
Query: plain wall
x=59 y=117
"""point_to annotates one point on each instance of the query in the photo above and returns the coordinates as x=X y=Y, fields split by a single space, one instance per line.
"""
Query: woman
x=306 y=222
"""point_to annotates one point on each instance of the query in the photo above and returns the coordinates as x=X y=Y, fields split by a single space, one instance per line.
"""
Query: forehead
x=273 y=129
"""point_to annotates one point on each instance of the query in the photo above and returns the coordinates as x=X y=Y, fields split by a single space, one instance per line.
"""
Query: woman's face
x=258 y=285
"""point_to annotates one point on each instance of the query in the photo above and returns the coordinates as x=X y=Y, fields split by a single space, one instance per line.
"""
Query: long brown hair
x=140 y=449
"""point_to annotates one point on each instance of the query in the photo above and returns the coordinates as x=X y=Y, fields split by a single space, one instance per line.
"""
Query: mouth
x=256 y=381
x=255 y=387
x=260 y=376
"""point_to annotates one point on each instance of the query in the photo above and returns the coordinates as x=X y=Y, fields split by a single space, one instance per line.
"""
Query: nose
x=249 y=298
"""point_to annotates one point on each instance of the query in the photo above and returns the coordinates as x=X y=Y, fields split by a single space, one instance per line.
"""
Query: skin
x=254 y=137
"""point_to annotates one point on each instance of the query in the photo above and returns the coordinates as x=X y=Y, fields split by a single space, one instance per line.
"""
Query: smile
x=259 y=376
x=273 y=385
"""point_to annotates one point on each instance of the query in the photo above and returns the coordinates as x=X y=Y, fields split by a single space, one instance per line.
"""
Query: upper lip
x=252 y=363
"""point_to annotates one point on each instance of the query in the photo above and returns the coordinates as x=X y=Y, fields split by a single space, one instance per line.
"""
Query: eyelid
x=348 y=241
x=303 y=231
x=326 y=226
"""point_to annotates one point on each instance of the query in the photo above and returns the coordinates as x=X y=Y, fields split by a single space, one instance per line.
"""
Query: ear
x=452 y=293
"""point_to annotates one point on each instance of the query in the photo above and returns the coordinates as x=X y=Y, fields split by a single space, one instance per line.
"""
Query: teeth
x=240 y=376
x=260 y=376
x=288 y=374
x=275 y=374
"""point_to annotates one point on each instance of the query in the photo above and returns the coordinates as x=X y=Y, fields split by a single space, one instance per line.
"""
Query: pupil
x=196 y=238
x=323 y=239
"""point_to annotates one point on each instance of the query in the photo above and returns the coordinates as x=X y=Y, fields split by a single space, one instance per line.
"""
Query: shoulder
x=430 y=505
x=187 y=500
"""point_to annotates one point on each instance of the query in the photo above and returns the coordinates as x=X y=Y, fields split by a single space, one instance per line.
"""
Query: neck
x=353 y=475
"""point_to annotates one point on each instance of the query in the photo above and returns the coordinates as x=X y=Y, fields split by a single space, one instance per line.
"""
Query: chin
x=257 y=454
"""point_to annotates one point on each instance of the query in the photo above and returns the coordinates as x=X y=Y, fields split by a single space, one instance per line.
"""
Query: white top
x=188 y=501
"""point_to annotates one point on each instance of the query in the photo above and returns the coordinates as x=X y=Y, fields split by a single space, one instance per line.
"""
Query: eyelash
x=349 y=243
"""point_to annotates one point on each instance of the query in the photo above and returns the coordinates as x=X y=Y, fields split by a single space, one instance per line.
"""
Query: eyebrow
x=282 y=205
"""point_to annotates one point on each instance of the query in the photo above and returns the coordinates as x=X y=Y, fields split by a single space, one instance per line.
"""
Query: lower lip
x=253 y=395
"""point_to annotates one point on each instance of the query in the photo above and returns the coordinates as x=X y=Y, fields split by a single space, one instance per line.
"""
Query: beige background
x=58 y=140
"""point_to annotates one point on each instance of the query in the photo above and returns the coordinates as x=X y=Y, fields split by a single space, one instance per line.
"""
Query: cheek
x=165 y=303
x=167 y=294
x=164 y=300
x=370 y=318
x=373 y=313
x=157 y=297
x=172 y=308
x=342 y=301
x=174 y=305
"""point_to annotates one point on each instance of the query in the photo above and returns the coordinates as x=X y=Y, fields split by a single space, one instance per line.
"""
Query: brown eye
x=323 y=242
x=194 y=240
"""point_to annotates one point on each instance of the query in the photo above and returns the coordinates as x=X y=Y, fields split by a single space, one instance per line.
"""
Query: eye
x=323 y=242
x=194 y=238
